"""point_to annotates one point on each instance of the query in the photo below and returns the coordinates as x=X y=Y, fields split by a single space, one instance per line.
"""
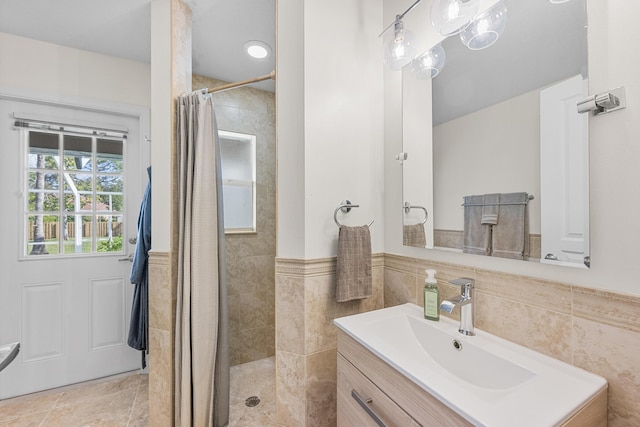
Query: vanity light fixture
x=429 y=64
x=484 y=29
x=449 y=17
x=257 y=49
x=399 y=50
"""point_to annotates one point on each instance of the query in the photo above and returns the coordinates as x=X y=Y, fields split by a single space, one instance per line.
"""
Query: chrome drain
x=252 y=401
x=457 y=345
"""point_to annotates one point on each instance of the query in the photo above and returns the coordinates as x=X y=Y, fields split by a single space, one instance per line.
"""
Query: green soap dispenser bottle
x=431 y=296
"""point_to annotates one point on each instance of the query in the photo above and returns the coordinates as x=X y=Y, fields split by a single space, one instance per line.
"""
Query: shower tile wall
x=251 y=257
x=595 y=330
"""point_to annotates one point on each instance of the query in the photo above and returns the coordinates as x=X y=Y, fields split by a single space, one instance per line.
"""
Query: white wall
x=290 y=116
x=330 y=135
x=614 y=154
x=57 y=72
x=48 y=72
x=392 y=144
x=161 y=82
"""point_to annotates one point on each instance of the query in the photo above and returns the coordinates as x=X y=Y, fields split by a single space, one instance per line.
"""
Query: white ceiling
x=542 y=34
x=122 y=28
x=543 y=43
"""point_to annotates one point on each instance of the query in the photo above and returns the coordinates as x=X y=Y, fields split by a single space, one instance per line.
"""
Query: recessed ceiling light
x=257 y=49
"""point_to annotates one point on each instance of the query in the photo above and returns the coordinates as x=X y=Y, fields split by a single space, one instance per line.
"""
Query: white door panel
x=564 y=183
x=71 y=314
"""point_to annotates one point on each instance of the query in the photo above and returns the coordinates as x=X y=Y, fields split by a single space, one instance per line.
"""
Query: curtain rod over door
x=269 y=76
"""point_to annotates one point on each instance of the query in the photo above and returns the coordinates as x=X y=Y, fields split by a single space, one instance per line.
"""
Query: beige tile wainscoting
x=162 y=303
x=598 y=331
x=306 y=340
x=453 y=239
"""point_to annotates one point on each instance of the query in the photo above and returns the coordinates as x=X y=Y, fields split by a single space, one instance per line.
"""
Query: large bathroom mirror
x=497 y=130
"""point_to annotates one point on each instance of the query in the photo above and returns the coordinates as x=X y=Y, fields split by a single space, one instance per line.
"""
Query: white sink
x=466 y=360
x=487 y=380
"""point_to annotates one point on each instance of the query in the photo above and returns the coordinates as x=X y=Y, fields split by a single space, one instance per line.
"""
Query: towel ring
x=345 y=206
x=408 y=207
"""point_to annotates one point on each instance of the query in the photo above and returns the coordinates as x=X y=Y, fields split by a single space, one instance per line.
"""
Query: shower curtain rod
x=269 y=76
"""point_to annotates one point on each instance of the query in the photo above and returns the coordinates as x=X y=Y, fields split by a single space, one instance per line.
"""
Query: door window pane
x=77 y=153
x=40 y=201
x=43 y=150
x=73 y=207
x=42 y=235
x=109 y=156
x=109 y=231
x=50 y=181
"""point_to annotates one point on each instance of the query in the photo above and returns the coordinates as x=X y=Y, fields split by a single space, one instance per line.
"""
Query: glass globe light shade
x=400 y=50
x=450 y=16
x=485 y=29
x=429 y=64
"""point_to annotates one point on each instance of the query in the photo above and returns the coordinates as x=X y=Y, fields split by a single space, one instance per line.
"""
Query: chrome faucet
x=464 y=300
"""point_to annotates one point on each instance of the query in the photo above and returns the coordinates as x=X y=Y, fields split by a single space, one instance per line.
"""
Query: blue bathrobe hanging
x=138 y=329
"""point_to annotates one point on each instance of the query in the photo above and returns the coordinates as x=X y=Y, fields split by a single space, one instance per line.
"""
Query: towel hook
x=408 y=207
x=345 y=206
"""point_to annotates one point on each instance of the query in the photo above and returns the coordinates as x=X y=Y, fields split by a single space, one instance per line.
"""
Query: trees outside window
x=75 y=193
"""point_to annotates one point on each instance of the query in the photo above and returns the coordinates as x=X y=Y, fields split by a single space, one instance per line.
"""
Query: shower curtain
x=202 y=337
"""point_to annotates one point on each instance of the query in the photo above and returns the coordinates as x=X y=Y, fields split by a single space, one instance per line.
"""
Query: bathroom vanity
x=386 y=377
x=391 y=397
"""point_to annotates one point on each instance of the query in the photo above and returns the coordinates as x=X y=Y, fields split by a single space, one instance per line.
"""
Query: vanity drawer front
x=425 y=409
x=352 y=414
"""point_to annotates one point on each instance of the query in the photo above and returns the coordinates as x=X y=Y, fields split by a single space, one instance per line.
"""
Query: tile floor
x=117 y=401
x=123 y=401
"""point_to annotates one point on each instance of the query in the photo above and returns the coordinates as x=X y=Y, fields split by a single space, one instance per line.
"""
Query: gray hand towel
x=476 y=237
x=413 y=235
x=510 y=237
x=490 y=209
x=353 y=269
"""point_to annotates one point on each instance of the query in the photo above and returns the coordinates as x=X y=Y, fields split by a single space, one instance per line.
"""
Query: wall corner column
x=170 y=76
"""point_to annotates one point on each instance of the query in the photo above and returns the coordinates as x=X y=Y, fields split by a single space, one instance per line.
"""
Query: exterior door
x=564 y=183
x=71 y=190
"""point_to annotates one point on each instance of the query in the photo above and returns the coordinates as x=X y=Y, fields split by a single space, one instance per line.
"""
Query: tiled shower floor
x=123 y=401
x=253 y=379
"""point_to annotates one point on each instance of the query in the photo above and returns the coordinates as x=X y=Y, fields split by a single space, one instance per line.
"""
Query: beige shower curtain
x=202 y=347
